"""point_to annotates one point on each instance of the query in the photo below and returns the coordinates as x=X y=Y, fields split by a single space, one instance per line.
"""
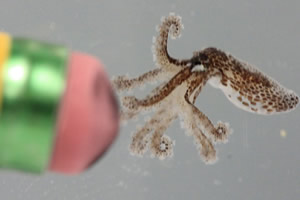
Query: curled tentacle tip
x=162 y=150
x=223 y=130
x=175 y=30
x=175 y=26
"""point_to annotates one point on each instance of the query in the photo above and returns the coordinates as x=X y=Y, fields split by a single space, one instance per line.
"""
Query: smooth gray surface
x=256 y=163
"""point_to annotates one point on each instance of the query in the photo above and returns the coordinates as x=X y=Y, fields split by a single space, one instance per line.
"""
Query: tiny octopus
x=182 y=81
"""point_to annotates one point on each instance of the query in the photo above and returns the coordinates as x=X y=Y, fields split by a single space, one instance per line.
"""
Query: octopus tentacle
x=170 y=25
x=204 y=144
x=196 y=93
x=221 y=131
x=122 y=83
x=161 y=145
x=140 y=139
x=206 y=148
x=199 y=82
x=156 y=90
x=195 y=82
x=128 y=114
x=217 y=134
x=133 y=103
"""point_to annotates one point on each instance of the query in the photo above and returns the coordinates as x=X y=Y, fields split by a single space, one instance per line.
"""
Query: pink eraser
x=88 y=116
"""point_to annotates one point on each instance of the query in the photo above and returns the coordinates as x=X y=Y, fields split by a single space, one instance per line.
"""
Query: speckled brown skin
x=256 y=92
x=183 y=80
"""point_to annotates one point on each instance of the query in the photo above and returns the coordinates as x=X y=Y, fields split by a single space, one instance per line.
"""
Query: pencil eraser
x=87 y=120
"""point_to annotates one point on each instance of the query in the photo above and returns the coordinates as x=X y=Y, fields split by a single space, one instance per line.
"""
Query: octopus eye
x=198 y=66
x=204 y=58
x=196 y=62
x=200 y=62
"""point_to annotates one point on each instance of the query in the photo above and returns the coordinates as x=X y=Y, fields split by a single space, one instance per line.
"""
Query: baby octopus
x=245 y=86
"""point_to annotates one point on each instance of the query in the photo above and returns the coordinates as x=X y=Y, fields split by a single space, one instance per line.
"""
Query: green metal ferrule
x=33 y=83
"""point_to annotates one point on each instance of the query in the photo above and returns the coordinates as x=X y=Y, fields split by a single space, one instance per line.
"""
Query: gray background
x=256 y=163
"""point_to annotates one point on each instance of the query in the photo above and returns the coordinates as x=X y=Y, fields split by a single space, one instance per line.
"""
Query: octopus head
x=210 y=59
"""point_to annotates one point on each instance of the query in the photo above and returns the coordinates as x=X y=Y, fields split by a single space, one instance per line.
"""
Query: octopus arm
x=121 y=83
x=132 y=103
x=161 y=146
x=204 y=144
x=218 y=133
x=170 y=26
x=140 y=138
x=221 y=131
